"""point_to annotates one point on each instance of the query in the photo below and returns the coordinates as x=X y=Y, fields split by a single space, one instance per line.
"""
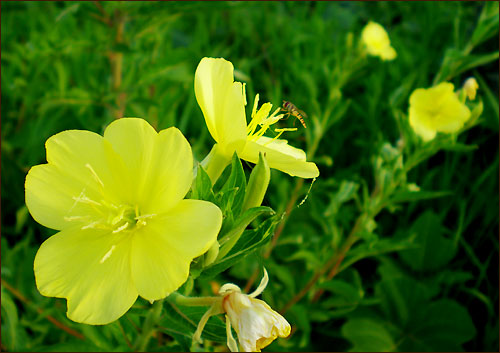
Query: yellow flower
x=470 y=87
x=436 y=109
x=124 y=228
x=377 y=41
x=256 y=324
x=222 y=102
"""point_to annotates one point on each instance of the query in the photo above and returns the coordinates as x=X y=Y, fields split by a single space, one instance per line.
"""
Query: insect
x=291 y=109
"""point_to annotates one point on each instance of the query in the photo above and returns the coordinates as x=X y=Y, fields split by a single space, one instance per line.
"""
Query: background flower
x=436 y=109
x=377 y=41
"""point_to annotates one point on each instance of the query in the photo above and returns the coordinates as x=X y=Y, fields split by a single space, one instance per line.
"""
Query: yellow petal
x=170 y=173
x=388 y=53
x=50 y=199
x=133 y=139
x=81 y=165
x=420 y=122
x=280 y=156
x=91 y=269
x=160 y=165
x=222 y=102
x=163 y=249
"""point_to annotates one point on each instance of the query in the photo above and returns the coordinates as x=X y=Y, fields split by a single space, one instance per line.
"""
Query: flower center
x=261 y=121
x=104 y=214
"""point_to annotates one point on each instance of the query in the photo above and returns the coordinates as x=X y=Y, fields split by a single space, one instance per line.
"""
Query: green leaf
x=228 y=240
x=376 y=248
x=347 y=191
x=471 y=61
x=345 y=297
x=407 y=196
x=237 y=183
x=367 y=335
x=202 y=186
x=250 y=241
x=344 y=293
x=10 y=323
x=181 y=321
x=443 y=325
x=488 y=23
x=434 y=251
x=400 y=297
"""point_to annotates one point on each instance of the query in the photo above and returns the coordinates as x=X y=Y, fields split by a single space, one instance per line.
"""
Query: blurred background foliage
x=425 y=275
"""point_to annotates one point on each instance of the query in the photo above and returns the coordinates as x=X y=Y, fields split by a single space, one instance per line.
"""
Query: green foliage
x=409 y=230
x=434 y=251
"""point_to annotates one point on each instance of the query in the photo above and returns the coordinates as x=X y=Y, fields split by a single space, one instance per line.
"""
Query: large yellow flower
x=436 y=109
x=125 y=229
x=377 y=41
x=223 y=104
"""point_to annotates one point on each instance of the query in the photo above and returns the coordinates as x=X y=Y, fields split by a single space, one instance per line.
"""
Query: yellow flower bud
x=257 y=184
x=470 y=87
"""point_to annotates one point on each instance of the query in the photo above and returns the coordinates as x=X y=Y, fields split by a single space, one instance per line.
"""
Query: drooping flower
x=470 y=87
x=222 y=102
x=255 y=323
x=377 y=41
x=436 y=109
x=124 y=228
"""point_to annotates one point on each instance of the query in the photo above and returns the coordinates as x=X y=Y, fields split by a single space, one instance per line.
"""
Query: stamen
x=255 y=103
x=82 y=194
x=108 y=254
x=85 y=199
x=244 y=93
x=119 y=229
x=94 y=174
x=75 y=218
x=145 y=216
x=280 y=131
x=91 y=225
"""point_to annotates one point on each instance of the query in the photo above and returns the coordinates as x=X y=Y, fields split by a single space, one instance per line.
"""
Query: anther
x=94 y=174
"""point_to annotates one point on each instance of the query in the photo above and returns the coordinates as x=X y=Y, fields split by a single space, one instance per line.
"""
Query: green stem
x=193 y=301
x=214 y=163
x=149 y=326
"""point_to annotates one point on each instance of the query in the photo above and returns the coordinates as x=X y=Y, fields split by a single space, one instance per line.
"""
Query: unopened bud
x=257 y=184
x=470 y=87
x=212 y=253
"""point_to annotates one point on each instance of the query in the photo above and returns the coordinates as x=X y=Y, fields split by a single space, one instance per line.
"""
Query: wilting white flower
x=256 y=324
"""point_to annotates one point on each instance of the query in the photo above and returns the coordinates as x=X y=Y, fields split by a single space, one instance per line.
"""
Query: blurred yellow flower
x=222 y=102
x=470 y=87
x=377 y=41
x=256 y=324
x=125 y=229
x=436 y=109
